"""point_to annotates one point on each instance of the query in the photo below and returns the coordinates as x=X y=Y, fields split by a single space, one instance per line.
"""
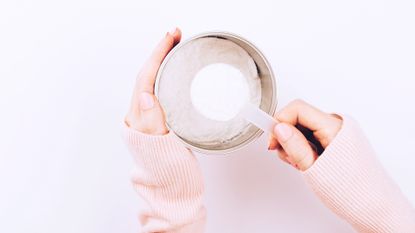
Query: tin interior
x=268 y=95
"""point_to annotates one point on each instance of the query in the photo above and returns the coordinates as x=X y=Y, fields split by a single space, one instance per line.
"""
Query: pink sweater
x=347 y=177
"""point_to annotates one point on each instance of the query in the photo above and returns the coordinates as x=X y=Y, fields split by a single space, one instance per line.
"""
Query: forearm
x=168 y=178
x=349 y=179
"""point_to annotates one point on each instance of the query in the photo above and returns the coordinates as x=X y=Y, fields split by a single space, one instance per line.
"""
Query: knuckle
x=290 y=110
x=284 y=113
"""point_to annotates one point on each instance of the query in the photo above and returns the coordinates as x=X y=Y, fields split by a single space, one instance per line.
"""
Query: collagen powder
x=219 y=91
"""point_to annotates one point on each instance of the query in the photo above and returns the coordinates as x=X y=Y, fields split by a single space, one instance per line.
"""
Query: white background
x=67 y=70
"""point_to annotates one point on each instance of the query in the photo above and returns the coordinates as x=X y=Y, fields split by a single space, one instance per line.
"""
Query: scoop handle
x=259 y=118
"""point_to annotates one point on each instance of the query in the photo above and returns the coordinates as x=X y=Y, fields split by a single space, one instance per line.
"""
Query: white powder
x=202 y=87
x=219 y=91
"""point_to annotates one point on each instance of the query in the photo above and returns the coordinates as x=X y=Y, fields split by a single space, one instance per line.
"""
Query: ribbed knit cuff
x=349 y=179
x=169 y=179
x=138 y=139
x=160 y=155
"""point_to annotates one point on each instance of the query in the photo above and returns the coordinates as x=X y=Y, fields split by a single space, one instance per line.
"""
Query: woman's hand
x=146 y=114
x=303 y=132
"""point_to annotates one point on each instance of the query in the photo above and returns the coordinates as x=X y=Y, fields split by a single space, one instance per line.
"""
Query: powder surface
x=198 y=86
x=219 y=91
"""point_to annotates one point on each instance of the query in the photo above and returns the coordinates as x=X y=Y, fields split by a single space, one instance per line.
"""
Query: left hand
x=146 y=114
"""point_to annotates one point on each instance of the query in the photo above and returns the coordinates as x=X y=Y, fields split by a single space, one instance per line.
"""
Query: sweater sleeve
x=168 y=178
x=350 y=181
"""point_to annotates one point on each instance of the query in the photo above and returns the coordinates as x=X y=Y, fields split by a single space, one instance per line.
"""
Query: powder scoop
x=258 y=117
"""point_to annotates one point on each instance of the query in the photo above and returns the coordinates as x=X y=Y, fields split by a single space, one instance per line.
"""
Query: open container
x=166 y=92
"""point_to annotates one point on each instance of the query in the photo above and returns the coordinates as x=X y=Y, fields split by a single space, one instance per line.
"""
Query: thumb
x=149 y=116
x=295 y=145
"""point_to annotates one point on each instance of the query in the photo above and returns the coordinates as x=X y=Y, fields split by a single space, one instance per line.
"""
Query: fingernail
x=283 y=132
x=146 y=101
x=173 y=31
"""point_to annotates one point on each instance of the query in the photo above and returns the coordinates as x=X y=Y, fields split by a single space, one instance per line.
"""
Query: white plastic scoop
x=258 y=117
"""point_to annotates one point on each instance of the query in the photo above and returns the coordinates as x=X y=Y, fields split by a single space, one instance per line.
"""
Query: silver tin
x=268 y=88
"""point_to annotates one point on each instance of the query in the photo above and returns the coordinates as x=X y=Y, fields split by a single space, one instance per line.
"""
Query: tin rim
x=274 y=100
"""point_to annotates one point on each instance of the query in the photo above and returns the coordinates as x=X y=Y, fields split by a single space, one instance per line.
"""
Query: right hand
x=303 y=132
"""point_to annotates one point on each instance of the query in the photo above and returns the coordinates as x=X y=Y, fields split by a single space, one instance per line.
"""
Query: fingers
x=323 y=126
x=148 y=73
x=152 y=120
x=283 y=156
x=298 y=150
x=149 y=118
x=300 y=112
x=273 y=143
x=304 y=133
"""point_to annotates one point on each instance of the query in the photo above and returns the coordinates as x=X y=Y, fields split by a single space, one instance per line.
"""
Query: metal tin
x=268 y=89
